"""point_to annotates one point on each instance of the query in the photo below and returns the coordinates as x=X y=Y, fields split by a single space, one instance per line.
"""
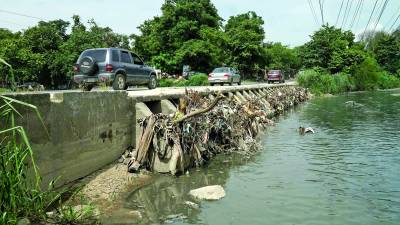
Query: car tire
x=212 y=84
x=88 y=65
x=119 y=82
x=240 y=82
x=222 y=84
x=152 y=82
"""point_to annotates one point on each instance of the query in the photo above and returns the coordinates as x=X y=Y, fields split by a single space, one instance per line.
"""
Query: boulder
x=214 y=192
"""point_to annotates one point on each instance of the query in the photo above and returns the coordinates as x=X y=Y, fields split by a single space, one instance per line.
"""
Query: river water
x=348 y=172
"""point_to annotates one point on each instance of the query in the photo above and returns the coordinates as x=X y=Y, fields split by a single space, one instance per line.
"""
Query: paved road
x=144 y=91
x=139 y=92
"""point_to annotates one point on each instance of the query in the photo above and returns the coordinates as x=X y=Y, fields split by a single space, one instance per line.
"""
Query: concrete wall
x=90 y=130
x=87 y=131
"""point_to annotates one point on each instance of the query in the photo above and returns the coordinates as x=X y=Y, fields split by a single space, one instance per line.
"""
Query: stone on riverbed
x=214 y=192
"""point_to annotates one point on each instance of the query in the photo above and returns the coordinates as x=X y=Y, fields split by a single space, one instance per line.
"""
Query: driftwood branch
x=201 y=111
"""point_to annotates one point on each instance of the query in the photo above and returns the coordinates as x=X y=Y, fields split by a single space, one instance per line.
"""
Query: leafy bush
x=366 y=75
x=198 y=80
x=166 y=82
x=387 y=80
x=323 y=83
x=195 y=80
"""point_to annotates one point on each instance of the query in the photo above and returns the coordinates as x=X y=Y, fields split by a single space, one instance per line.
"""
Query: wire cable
x=20 y=14
x=394 y=23
x=340 y=12
x=345 y=12
x=380 y=14
x=359 y=14
x=313 y=12
x=321 y=9
x=369 y=20
x=358 y=6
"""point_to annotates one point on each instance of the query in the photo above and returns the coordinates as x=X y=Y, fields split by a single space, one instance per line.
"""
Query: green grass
x=388 y=81
x=12 y=77
x=21 y=195
x=2 y=90
x=249 y=81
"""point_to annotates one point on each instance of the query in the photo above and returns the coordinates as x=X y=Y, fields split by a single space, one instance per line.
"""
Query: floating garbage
x=204 y=127
x=305 y=130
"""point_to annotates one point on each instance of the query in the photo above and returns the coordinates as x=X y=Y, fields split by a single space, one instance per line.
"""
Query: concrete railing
x=89 y=130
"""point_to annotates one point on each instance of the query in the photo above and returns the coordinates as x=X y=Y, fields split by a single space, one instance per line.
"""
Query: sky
x=290 y=22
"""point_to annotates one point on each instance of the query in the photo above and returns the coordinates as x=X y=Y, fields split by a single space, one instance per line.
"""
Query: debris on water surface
x=204 y=127
x=305 y=130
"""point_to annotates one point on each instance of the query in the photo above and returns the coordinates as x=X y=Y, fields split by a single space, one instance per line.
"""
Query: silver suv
x=113 y=66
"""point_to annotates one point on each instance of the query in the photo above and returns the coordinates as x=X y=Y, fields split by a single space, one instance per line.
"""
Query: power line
x=340 y=12
x=321 y=9
x=20 y=14
x=359 y=14
x=18 y=24
x=380 y=14
x=392 y=17
x=358 y=6
x=313 y=12
x=345 y=12
x=369 y=20
x=394 y=23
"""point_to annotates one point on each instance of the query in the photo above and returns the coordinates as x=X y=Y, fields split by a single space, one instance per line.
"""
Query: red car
x=275 y=76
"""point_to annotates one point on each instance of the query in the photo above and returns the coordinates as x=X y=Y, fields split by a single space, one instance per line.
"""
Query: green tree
x=283 y=58
x=331 y=48
x=386 y=49
x=177 y=36
x=366 y=74
x=246 y=34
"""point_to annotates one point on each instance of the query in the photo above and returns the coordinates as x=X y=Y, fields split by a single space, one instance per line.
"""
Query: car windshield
x=99 y=54
x=273 y=72
x=221 y=70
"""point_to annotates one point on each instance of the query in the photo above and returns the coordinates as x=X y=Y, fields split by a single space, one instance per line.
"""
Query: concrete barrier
x=87 y=131
x=90 y=130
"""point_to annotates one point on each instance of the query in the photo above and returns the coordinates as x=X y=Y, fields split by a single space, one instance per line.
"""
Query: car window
x=221 y=70
x=98 y=54
x=136 y=59
x=115 y=55
x=125 y=58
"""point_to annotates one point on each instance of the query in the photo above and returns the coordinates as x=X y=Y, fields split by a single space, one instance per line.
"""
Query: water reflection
x=164 y=200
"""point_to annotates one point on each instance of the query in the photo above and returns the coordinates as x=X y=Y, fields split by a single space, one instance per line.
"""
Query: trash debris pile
x=204 y=127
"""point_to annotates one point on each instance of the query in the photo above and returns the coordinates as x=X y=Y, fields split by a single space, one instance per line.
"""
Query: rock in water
x=214 y=192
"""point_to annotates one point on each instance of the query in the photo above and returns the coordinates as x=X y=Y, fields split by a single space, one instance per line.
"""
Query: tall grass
x=323 y=83
x=21 y=195
x=12 y=77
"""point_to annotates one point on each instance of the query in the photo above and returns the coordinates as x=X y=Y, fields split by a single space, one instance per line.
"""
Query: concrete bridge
x=89 y=130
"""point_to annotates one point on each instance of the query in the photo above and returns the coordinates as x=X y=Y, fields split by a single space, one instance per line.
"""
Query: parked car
x=113 y=66
x=275 y=76
x=224 y=75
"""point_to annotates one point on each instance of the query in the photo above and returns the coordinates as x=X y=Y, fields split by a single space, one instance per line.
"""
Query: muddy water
x=346 y=173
